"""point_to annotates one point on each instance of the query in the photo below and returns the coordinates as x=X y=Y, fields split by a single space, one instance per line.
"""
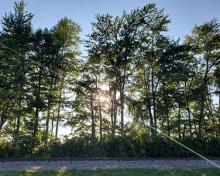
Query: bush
x=112 y=147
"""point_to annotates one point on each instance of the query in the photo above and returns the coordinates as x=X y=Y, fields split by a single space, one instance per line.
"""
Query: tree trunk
x=219 y=101
x=100 y=121
x=122 y=108
x=18 y=121
x=4 y=115
x=203 y=98
x=184 y=131
x=148 y=101
x=189 y=117
x=47 y=122
x=154 y=101
x=112 y=108
x=188 y=106
x=179 y=122
x=36 y=124
x=37 y=100
x=219 y=112
x=59 y=106
x=167 y=118
x=52 y=123
x=168 y=124
x=122 y=98
x=201 y=117
x=92 y=117
x=151 y=117
x=115 y=111
x=21 y=91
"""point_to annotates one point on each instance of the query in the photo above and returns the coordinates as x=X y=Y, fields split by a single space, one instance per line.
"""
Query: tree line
x=134 y=75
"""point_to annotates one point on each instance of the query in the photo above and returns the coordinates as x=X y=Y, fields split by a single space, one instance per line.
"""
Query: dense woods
x=134 y=75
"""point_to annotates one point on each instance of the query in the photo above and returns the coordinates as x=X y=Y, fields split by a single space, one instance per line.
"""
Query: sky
x=184 y=14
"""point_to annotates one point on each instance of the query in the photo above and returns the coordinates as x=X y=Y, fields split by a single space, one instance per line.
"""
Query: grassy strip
x=117 y=172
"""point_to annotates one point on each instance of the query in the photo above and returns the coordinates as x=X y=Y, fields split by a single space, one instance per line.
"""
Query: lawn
x=117 y=172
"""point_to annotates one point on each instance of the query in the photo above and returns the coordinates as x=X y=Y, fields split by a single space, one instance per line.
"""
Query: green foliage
x=113 y=147
x=134 y=76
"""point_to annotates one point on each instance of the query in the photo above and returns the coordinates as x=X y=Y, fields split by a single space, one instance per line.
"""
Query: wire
x=184 y=146
x=163 y=134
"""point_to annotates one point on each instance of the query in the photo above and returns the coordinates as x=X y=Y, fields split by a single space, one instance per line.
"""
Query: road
x=105 y=164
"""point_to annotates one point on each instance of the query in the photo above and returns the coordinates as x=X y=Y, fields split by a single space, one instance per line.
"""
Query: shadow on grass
x=115 y=172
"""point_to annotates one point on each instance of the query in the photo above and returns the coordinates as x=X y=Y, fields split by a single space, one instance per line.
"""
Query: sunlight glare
x=102 y=98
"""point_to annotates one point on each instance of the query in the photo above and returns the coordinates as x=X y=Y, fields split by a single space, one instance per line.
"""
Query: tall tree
x=66 y=36
x=206 y=38
x=16 y=34
x=43 y=53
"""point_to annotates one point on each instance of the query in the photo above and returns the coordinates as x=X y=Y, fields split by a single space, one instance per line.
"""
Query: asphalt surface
x=104 y=164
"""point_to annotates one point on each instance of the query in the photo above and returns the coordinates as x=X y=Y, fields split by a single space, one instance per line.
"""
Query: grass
x=117 y=172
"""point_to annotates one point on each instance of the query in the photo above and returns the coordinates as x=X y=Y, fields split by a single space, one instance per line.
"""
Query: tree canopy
x=134 y=76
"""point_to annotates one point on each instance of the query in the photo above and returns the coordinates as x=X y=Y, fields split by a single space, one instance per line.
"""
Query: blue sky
x=184 y=14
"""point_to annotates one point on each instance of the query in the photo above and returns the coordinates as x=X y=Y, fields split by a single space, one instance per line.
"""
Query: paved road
x=104 y=164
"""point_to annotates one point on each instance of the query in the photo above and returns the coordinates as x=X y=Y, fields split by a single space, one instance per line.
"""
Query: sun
x=102 y=99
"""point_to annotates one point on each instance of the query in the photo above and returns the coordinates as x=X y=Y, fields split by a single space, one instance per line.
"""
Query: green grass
x=117 y=172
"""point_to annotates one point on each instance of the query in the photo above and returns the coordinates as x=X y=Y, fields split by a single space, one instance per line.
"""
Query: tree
x=66 y=38
x=206 y=38
x=16 y=33
x=42 y=72
x=217 y=81
x=152 y=22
